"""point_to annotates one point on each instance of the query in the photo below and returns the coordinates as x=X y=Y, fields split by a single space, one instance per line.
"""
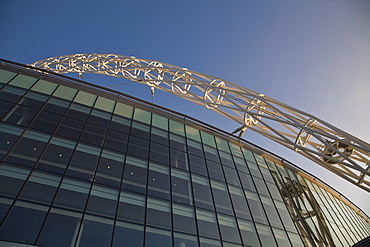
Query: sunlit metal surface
x=336 y=150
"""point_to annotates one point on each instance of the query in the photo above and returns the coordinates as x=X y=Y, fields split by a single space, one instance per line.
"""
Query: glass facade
x=82 y=166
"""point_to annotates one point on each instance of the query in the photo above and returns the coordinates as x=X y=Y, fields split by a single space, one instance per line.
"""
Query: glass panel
x=28 y=149
x=60 y=229
x=184 y=240
x=138 y=147
x=44 y=87
x=93 y=134
x=83 y=162
x=261 y=186
x=160 y=122
x=248 y=232
x=232 y=176
x=159 y=136
x=128 y=235
x=183 y=218
x=142 y=116
x=155 y=237
x=116 y=140
x=178 y=142
x=101 y=118
x=4 y=108
x=254 y=169
x=123 y=110
x=159 y=153
x=23 y=81
x=158 y=213
x=6 y=76
x=78 y=111
x=274 y=191
x=248 y=155
x=40 y=187
x=226 y=159
x=256 y=207
x=240 y=203
x=271 y=212
x=195 y=148
x=46 y=121
x=192 y=133
x=9 y=134
x=208 y=139
x=159 y=181
x=57 y=155
x=177 y=128
x=102 y=200
x=5 y=204
x=72 y=194
x=110 y=168
x=205 y=242
x=215 y=170
x=70 y=128
x=131 y=207
x=222 y=145
x=229 y=231
x=120 y=124
x=265 y=234
x=211 y=153
x=202 y=192
x=135 y=174
x=64 y=92
x=23 y=223
x=96 y=232
x=140 y=129
x=85 y=98
x=12 y=178
x=11 y=93
x=20 y=115
x=295 y=240
x=221 y=197
x=197 y=165
x=281 y=237
x=241 y=165
x=104 y=104
x=285 y=216
x=179 y=159
x=181 y=187
x=235 y=150
x=207 y=224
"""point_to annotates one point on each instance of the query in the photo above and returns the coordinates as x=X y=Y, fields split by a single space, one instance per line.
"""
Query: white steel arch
x=334 y=149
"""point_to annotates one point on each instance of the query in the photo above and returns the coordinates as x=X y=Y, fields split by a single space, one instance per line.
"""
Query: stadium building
x=83 y=165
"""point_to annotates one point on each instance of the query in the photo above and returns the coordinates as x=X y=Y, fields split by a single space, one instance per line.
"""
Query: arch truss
x=334 y=149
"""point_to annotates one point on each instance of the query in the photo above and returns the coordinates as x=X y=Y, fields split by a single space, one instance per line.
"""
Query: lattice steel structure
x=334 y=149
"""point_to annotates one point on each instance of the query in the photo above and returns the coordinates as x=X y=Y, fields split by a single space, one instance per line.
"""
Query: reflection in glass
x=72 y=194
x=128 y=235
x=207 y=224
x=131 y=207
x=158 y=213
x=95 y=232
x=102 y=200
x=134 y=176
x=155 y=237
x=183 y=218
x=229 y=231
x=181 y=187
x=12 y=178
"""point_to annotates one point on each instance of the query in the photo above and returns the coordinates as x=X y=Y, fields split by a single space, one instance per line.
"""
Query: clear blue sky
x=313 y=55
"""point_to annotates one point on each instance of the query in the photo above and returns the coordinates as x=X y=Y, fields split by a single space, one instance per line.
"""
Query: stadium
x=84 y=165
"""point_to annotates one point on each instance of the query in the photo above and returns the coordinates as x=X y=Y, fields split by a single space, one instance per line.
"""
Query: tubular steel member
x=334 y=149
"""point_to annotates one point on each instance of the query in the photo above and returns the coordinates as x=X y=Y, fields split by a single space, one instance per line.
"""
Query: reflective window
x=120 y=124
x=128 y=235
x=102 y=200
x=197 y=165
x=186 y=240
x=131 y=207
x=155 y=237
x=159 y=153
x=46 y=121
x=57 y=155
x=179 y=159
x=60 y=228
x=229 y=231
x=181 y=187
x=215 y=170
x=44 y=87
x=142 y=116
x=195 y=148
x=134 y=175
x=226 y=159
x=23 y=222
x=138 y=147
x=183 y=218
x=85 y=98
x=192 y=133
x=207 y=224
x=93 y=134
x=202 y=192
x=248 y=232
x=140 y=129
x=159 y=136
x=78 y=111
x=116 y=140
x=211 y=153
x=231 y=176
x=256 y=207
x=9 y=134
x=28 y=149
x=158 y=213
x=240 y=203
x=4 y=107
x=12 y=178
x=83 y=162
x=271 y=212
x=6 y=76
x=64 y=92
x=281 y=237
x=159 y=122
x=99 y=117
x=206 y=242
x=96 y=231
x=261 y=186
x=5 y=204
x=177 y=142
x=20 y=115
x=266 y=236
x=104 y=104
x=72 y=194
x=40 y=187
x=177 y=128
x=70 y=128
x=123 y=110
x=159 y=181
x=247 y=181
x=221 y=197
x=110 y=168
